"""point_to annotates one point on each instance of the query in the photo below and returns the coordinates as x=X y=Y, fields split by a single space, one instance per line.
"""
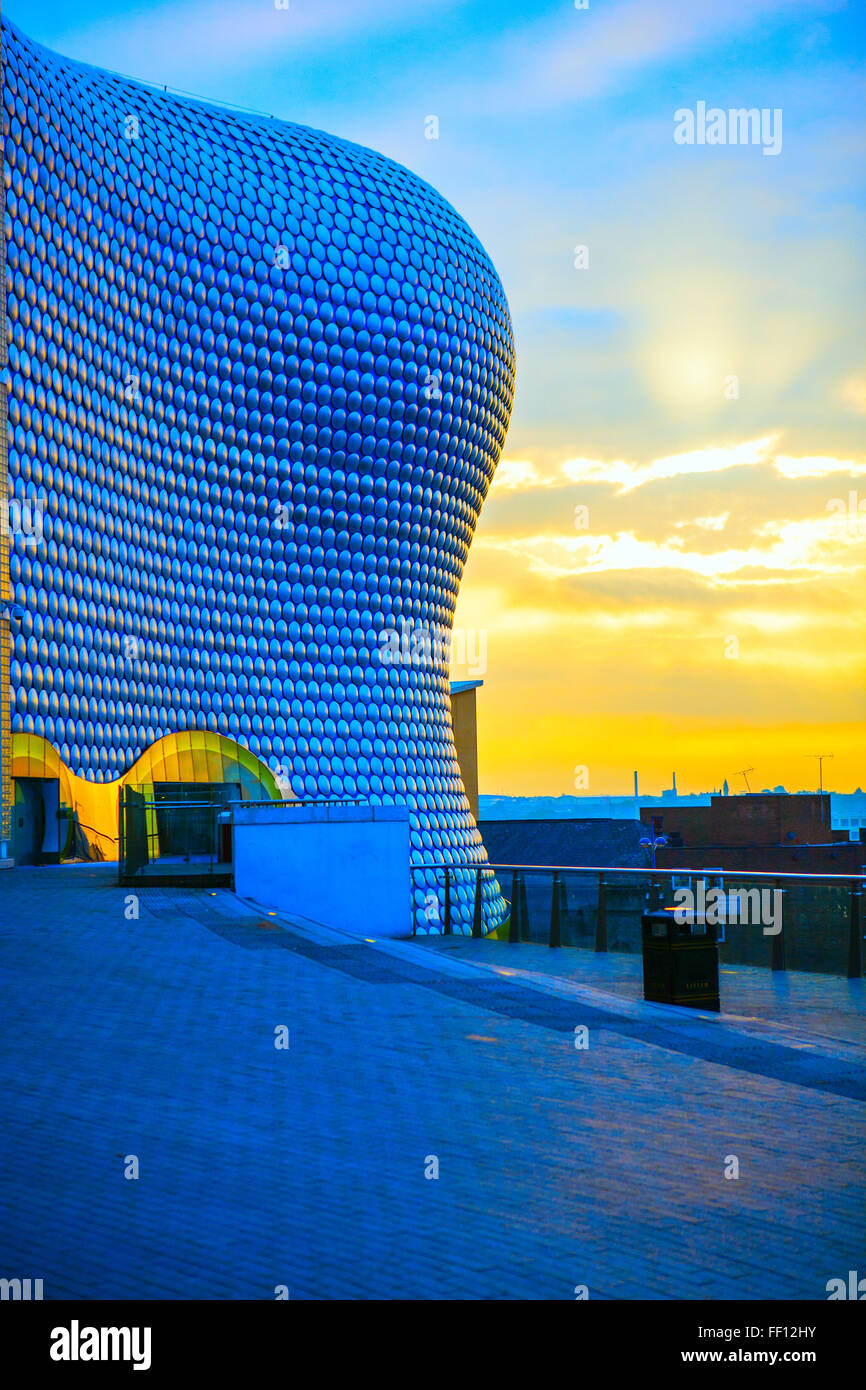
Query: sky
x=668 y=572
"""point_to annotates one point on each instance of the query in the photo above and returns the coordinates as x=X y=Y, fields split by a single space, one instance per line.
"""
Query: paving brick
x=305 y=1167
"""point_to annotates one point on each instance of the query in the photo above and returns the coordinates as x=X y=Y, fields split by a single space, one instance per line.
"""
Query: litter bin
x=680 y=961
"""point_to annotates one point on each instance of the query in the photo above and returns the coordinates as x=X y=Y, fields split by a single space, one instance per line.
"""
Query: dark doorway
x=35 y=825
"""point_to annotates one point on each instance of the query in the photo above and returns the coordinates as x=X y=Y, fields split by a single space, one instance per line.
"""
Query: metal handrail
x=295 y=801
x=604 y=874
x=653 y=873
x=103 y=834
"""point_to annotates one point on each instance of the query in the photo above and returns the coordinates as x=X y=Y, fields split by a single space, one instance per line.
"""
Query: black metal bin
x=680 y=962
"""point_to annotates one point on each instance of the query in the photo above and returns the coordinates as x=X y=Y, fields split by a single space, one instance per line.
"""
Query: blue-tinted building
x=258 y=383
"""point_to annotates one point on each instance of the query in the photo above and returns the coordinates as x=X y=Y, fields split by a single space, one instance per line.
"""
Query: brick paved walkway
x=829 y=1005
x=305 y=1167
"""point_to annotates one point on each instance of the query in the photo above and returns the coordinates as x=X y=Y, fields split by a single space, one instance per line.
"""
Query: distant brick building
x=764 y=831
x=594 y=842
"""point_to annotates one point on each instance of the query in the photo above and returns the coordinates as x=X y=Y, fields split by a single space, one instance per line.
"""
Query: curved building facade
x=259 y=381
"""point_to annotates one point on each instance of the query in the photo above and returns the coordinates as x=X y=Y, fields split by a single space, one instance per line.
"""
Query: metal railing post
x=778 y=959
x=477 y=931
x=655 y=894
x=446 y=906
x=555 y=910
x=601 y=923
x=514 y=932
x=121 y=849
x=855 y=950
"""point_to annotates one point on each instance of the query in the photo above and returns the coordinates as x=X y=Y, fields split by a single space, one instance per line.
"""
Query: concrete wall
x=343 y=866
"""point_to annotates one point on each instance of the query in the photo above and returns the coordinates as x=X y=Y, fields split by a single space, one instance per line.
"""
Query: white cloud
x=513 y=475
x=707 y=523
x=627 y=475
x=799 y=548
x=818 y=466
